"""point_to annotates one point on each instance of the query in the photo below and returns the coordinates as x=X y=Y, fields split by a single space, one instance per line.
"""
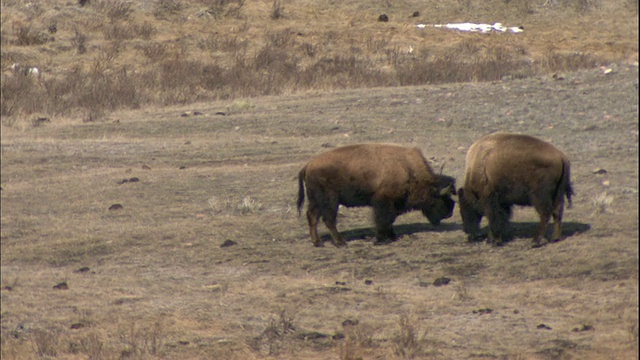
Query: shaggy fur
x=391 y=179
x=505 y=169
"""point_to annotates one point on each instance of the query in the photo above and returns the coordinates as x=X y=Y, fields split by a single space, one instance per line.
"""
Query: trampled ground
x=160 y=285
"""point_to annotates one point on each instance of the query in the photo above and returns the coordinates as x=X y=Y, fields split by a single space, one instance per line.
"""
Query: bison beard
x=391 y=179
x=505 y=169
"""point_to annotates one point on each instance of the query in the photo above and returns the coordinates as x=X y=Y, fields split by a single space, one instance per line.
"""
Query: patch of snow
x=472 y=27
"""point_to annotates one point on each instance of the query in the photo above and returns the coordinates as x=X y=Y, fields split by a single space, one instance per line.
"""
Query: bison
x=392 y=179
x=503 y=170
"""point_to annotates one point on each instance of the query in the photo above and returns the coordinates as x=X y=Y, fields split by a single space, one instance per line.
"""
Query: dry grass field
x=206 y=258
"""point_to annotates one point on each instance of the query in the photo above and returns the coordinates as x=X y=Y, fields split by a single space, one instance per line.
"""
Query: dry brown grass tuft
x=409 y=342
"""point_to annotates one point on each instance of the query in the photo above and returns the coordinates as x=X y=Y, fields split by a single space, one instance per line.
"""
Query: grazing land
x=166 y=227
x=159 y=283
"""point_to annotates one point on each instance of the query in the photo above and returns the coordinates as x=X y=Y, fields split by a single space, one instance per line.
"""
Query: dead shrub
x=280 y=38
x=408 y=343
x=26 y=35
x=177 y=72
x=98 y=90
x=524 y=7
x=342 y=72
x=310 y=50
x=582 y=6
x=241 y=79
x=115 y=9
x=111 y=51
x=277 y=10
x=208 y=43
x=33 y=10
x=220 y=205
x=467 y=48
x=212 y=78
x=78 y=41
x=554 y=61
x=175 y=78
x=275 y=61
x=144 y=30
x=21 y=95
x=166 y=8
x=60 y=92
x=92 y=345
x=118 y=31
x=45 y=342
x=250 y=205
x=154 y=51
x=233 y=45
x=602 y=203
x=140 y=340
x=111 y=91
x=12 y=346
x=357 y=338
x=375 y=45
x=489 y=65
x=273 y=338
x=224 y=8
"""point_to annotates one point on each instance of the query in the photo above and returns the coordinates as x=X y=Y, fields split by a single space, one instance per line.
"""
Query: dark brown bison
x=391 y=179
x=505 y=169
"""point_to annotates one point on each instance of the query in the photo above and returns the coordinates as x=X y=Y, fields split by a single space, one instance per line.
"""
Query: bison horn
x=447 y=190
x=442 y=168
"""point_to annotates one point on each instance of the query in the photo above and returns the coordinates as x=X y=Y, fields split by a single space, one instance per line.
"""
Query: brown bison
x=391 y=179
x=505 y=169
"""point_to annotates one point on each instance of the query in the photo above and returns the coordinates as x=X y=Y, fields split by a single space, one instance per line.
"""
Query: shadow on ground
x=525 y=230
x=400 y=230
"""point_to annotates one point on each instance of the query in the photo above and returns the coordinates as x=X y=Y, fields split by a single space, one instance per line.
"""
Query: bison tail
x=566 y=182
x=569 y=194
x=301 y=176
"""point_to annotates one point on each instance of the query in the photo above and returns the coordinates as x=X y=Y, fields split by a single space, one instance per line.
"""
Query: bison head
x=441 y=205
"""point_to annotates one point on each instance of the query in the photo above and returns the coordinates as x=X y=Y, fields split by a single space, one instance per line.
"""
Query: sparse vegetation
x=409 y=343
x=249 y=57
x=602 y=202
x=205 y=248
x=249 y=205
x=46 y=343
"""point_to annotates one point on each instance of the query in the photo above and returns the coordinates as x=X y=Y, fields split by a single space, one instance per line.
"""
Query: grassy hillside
x=112 y=54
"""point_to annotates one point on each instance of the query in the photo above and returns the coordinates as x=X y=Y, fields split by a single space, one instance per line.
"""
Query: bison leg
x=498 y=216
x=384 y=216
x=313 y=215
x=557 y=221
x=337 y=239
x=329 y=216
x=471 y=217
x=544 y=207
x=541 y=230
x=471 y=227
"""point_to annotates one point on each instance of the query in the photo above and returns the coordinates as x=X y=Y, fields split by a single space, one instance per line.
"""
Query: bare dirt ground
x=152 y=279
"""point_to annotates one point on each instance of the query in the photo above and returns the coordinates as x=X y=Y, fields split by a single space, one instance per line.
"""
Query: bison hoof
x=318 y=244
x=476 y=238
x=536 y=245
x=383 y=241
